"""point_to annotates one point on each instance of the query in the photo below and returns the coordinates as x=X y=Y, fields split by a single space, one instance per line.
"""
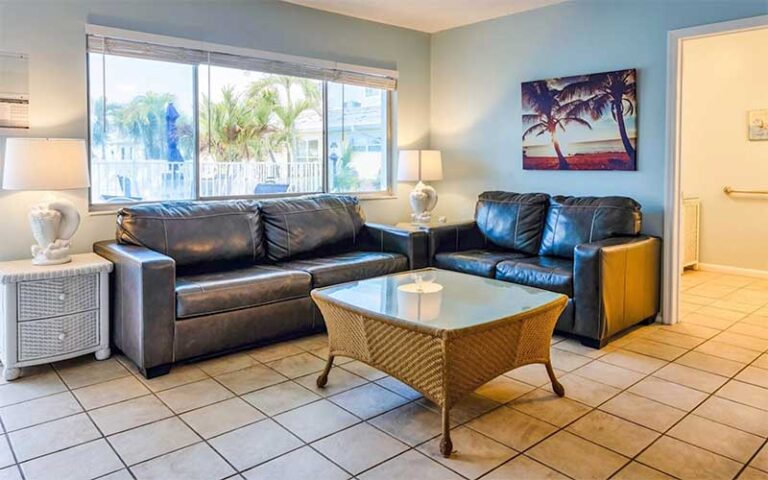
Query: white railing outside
x=151 y=180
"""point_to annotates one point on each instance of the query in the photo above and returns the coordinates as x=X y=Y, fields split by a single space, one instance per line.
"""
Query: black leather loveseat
x=587 y=248
x=195 y=279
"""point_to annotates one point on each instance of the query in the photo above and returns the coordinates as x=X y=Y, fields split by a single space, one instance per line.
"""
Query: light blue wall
x=52 y=32
x=470 y=101
x=476 y=76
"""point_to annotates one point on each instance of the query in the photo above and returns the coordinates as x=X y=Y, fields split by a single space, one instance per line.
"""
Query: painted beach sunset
x=584 y=122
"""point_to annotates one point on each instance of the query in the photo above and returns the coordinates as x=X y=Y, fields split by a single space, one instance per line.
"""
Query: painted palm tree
x=142 y=119
x=296 y=96
x=238 y=127
x=603 y=91
x=548 y=115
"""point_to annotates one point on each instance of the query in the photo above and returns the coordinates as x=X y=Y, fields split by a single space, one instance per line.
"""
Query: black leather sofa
x=196 y=279
x=587 y=248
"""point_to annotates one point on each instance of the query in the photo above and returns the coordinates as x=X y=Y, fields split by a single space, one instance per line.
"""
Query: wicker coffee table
x=443 y=333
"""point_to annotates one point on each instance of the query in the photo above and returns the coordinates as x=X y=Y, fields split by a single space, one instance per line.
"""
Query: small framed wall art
x=758 y=124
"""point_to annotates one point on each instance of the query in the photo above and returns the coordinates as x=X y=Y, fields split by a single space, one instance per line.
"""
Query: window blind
x=140 y=49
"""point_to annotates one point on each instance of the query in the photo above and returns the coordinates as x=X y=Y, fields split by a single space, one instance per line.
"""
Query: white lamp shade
x=418 y=165
x=45 y=164
x=431 y=165
x=408 y=166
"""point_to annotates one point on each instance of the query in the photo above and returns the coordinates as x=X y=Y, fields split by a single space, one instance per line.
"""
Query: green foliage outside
x=257 y=124
x=345 y=176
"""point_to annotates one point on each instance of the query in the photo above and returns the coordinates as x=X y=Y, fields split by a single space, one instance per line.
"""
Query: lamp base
x=53 y=223
x=423 y=199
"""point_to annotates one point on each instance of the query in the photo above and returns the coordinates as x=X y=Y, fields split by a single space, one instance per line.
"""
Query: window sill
x=375 y=196
x=97 y=212
x=102 y=210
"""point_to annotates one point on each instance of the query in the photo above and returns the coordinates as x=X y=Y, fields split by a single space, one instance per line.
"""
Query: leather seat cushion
x=209 y=293
x=347 y=267
x=548 y=273
x=475 y=262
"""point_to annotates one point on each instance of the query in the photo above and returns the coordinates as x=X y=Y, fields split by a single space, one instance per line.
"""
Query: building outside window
x=176 y=124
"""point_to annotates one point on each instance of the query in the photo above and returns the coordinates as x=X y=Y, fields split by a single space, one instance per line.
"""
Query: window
x=177 y=123
x=357 y=129
x=142 y=130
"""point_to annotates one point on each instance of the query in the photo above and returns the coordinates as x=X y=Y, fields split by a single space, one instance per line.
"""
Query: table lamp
x=418 y=166
x=48 y=164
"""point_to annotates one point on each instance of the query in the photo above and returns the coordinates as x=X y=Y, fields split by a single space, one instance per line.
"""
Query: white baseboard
x=746 y=272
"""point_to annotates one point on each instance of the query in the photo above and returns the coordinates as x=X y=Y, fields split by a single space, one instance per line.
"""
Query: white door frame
x=673 y=201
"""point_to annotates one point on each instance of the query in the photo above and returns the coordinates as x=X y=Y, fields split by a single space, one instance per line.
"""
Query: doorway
x=716 y=178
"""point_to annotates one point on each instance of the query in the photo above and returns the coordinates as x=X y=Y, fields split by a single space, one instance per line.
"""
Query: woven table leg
x=446 y=445
x=556 y=386
x=323 y=378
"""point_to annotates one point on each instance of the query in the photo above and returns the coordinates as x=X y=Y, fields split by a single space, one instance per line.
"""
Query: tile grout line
x=728 y=379
x=626 y=389
x=90 y=419
x=13 y=452
x=690 y=412
x=367 y=382
x=328 y=397
x=362 y=421
x=266 y=416
x=291 y=380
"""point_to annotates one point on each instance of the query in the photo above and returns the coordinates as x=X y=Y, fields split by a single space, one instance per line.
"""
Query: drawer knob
x=62 y=297
x=62 y=336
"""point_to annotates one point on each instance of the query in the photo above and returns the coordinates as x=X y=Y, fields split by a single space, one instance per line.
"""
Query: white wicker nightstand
x=51 y=313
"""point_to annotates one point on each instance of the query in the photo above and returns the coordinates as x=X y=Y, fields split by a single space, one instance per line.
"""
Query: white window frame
x=344 y=70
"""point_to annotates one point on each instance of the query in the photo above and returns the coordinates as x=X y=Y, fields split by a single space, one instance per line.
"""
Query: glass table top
x=439 y=298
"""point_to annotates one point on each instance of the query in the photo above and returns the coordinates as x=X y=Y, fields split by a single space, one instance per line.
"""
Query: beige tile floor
x=686 y=401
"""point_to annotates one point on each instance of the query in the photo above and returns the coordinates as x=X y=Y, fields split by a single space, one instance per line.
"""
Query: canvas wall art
x=758 y=125
x=583 y=122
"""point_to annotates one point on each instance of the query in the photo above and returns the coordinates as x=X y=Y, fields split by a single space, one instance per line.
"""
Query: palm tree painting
x=583 y=122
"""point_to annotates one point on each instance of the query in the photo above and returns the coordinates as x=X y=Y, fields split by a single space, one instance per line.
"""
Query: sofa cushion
x=193 y=233
x=548 y=273
x=575 y=220
x=512 y=220
x=300 y=225
x=347 y=267
x=475 y=262
x=209 y=293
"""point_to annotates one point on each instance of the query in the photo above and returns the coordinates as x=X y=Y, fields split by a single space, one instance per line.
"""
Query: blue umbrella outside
x=172 y=133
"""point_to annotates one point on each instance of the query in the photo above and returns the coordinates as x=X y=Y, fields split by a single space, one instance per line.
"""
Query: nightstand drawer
x=57 y=296
x=58 y=336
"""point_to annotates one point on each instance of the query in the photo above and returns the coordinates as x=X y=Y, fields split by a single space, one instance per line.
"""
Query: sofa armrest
x=385 y=238
x=616 y=284
x=454 y=238
x=143 y=303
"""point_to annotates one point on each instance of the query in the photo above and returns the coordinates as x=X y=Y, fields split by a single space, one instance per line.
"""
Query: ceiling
x=425 y=15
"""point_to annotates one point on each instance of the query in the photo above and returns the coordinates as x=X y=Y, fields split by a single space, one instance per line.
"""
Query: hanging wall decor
x=583 y=122
x=14 y=90
x=758 y=124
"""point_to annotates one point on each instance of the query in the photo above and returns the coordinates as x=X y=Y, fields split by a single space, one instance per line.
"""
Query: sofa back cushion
x=300 y=225
x=574 y=220
x=194 y=233
x=512 y=220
